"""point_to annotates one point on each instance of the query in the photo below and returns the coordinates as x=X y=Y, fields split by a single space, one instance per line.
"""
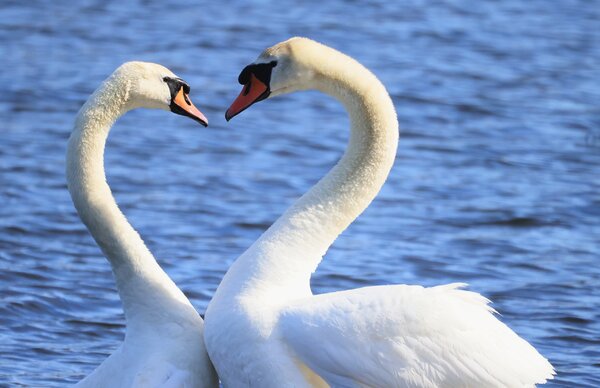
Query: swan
x=164 y=345
x=265 y=328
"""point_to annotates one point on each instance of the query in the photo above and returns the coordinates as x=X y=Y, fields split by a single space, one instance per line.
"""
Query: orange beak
x=182 y=105
x=253 y=91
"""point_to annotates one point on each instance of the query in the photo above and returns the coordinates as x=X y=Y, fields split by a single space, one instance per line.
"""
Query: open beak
x=182 y=105
x=255 y=90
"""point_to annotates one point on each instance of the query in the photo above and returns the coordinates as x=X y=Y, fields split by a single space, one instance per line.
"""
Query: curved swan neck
x=143 y=286
x=291 y=249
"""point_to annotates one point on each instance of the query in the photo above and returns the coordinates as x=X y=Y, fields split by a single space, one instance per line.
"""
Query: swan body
x=163 y=344
x=265 y=328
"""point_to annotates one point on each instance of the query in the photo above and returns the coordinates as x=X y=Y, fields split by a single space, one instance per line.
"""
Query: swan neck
x=139 y=278
x=346 y=191
x=289 y=252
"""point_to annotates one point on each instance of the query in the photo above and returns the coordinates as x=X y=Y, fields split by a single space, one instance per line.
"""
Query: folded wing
x=392 y=336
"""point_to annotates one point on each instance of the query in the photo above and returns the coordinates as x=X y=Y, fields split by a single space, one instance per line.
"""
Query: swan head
x=150 y=85
x=284 y=68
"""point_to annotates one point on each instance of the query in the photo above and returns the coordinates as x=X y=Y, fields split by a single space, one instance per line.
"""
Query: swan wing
x=392 y=336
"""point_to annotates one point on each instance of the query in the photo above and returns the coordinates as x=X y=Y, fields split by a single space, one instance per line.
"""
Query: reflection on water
x=496 y=182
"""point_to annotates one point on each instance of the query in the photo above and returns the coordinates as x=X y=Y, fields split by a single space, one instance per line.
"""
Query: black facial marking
x=175 y=84
x=262 y=71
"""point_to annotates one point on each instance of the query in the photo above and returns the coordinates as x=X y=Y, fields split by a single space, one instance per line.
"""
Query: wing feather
x=391 y=336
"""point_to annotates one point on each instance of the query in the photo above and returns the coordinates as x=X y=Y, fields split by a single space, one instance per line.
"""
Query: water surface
x=496 y=183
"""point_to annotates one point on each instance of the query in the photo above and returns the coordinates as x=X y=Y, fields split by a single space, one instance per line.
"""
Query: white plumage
x=164 y=345
x=265 y=328
x=396 y=336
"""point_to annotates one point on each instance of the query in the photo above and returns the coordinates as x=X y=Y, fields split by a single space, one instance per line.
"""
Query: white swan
x=163 y=345
x=265 y=328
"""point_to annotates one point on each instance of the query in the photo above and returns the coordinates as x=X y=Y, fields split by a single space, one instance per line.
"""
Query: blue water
x=497 y=180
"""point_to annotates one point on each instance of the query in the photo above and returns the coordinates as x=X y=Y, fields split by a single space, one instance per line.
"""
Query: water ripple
x=496 y=182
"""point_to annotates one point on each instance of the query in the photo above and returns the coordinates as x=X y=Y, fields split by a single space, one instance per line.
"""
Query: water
x=496 y=182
